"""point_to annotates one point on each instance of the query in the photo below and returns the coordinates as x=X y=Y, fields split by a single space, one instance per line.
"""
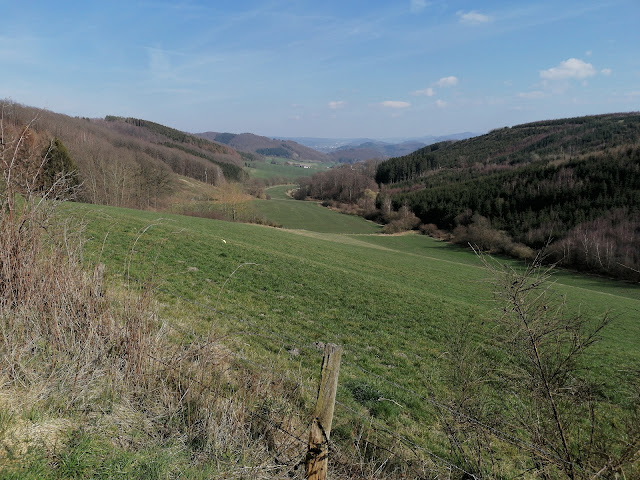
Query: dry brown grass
x=76 y=355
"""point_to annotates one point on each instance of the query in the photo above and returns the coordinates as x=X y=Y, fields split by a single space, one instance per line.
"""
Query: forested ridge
x=573 y=184
x=520 y=144
x=521 y=199
x=570 y=185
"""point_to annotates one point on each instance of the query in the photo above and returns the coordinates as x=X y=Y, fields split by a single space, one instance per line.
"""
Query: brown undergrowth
x=80 y=357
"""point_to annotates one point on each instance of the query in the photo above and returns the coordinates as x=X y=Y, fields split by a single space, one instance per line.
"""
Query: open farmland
x=285 y=211
x=398 y=305
x=283 y=168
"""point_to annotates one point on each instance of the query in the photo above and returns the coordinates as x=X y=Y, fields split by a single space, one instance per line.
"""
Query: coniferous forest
x=570 y=186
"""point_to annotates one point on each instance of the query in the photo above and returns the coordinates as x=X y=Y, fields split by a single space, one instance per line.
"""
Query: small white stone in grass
x=224 y=241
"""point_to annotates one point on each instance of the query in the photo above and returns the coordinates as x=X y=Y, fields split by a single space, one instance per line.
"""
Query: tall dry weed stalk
x=70 y=348
x=56 y=324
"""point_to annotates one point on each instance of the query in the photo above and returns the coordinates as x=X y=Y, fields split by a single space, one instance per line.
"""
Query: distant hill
x=328 y=145
x=373 y=150
x=268 y=147
x=351 y=150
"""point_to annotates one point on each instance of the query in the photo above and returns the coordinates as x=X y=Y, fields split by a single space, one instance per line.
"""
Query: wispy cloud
x=535 y=94
x=571 y=68
x=441 y=103
x=473 y=17
x=447 y=81
x=418 y=5
x=159 y=63
x=426 y=92
x=606 y=72
x=395 y=104
x=337 y=104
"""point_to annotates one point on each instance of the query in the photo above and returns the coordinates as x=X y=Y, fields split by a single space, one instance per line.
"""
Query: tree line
x=124 y=162
x=571 y=186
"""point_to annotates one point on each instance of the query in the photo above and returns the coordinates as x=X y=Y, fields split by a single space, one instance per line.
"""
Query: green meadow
x=396 y=303
x=406 y=308
x=275 y=167
x=292 y=214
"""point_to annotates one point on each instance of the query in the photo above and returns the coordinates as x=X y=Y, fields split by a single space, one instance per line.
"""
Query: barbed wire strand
x=504 y=436
x=407 y=441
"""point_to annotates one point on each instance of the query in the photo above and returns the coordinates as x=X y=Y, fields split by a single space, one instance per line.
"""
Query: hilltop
x=318 y=149
x=351 y=150
x=264 y=146
x=552 y=140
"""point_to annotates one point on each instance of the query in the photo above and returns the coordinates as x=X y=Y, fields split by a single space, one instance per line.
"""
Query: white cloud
x=395 y=104
x=418 y=5
x=571 y=68
x=606 y=71
x=588 y=53
x=441 y=103
x=336 y=104
x=447 y=81
x=473 y=17
x=427 y=92
x=532 y=95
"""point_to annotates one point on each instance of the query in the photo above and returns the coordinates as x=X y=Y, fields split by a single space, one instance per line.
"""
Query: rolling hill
x=264 y=146
x=572 y=182
x=126 y=161
x=140 y=344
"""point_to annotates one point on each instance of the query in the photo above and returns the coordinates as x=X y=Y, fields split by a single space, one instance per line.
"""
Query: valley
x=195 y=322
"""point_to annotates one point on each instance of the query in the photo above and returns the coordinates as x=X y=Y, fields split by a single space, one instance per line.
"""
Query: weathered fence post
x=318 y=453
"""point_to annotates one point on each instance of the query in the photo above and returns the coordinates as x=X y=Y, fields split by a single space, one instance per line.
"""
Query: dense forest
x=518 y=145
x=571 y=186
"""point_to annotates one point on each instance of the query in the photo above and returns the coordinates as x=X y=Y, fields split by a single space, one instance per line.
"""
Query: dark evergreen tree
x=59 y=171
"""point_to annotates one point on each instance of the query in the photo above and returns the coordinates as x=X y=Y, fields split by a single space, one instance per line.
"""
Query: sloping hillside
x=561 y=140
x=268 y=147
x=373 y=150
x=124 y=161
x=574 y=182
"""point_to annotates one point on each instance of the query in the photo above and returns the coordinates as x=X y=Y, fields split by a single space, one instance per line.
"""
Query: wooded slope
x=574 y=182
x=126 y=161
x=268 y=147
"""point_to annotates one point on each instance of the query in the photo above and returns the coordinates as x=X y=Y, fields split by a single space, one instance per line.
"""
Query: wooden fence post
x=318 y=453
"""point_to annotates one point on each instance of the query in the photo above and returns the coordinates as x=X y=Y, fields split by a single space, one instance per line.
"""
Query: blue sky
x=375 y=69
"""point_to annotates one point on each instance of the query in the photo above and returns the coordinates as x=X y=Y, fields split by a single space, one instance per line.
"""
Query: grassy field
x=292 y=214
x=391 y=301
x=398 y=304
x=267 y=169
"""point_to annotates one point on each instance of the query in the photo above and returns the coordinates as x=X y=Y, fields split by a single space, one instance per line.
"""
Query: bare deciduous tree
x=542 y=391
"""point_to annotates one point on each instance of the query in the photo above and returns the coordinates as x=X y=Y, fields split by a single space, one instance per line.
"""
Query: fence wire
x=287 y=343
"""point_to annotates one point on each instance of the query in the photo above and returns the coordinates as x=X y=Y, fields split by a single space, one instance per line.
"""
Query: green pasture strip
x=413 y=243
x=393 y=309
x=280 y=192
x=266 y=169
x=297 y=214
x=591 y=295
